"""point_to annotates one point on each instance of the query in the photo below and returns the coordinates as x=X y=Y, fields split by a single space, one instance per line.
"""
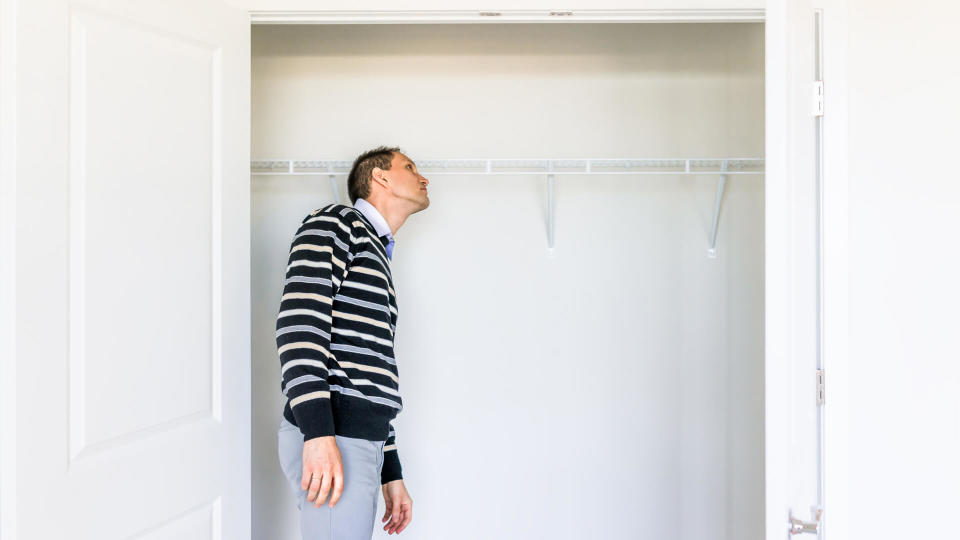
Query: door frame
x=8 y=290
x=834 y=261
x=834 y=212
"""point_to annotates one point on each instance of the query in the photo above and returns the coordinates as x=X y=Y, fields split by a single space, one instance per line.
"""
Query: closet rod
x=549 y=167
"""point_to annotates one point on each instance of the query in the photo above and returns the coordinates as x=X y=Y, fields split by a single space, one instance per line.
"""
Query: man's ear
x=377 y=174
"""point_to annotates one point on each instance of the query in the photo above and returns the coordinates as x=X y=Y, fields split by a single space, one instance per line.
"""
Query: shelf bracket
x=721 y=186
x=333 y=183
x=551 y=204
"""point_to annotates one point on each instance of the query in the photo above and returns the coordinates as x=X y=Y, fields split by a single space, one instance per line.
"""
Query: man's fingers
x=324 y=489
x=314 y=485
x=337 y=487
x=394 y=518
x=386 y=509
x=407 y=516
x=400 y=516
x=305 y=479
x=387 y=514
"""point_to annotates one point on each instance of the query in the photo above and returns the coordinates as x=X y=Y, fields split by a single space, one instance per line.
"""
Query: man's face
x=406 y=182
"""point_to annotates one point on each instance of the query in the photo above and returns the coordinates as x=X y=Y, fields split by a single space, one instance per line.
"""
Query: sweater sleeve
x=319 y=256
x=391 y=459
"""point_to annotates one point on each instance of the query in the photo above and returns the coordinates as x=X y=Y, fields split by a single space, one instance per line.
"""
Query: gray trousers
x=353 y=517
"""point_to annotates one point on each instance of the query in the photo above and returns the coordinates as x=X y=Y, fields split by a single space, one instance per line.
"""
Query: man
x=334 y=336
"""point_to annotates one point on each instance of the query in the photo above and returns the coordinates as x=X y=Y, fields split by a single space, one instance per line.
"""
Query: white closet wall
x=613 y=391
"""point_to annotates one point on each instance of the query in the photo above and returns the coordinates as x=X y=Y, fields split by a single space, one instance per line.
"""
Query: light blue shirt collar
x=370 y=212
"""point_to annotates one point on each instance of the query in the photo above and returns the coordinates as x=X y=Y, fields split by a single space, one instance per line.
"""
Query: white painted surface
x=904 y=214
x=131 y=253
x=892 y=212
x=8 y=286
x=836 y=274
x=618 y=384
x=791 y=303
x=451 y=5
x=900 y=385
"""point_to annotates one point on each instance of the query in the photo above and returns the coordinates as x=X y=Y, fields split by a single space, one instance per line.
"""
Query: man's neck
x=394 y=215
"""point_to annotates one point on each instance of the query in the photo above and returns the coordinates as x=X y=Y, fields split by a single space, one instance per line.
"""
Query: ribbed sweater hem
x=355 y=417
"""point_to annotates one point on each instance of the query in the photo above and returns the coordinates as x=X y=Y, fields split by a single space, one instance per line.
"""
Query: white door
x=793 y=337
x=132 y=241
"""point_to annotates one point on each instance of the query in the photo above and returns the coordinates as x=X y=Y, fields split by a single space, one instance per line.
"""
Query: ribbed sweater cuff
x=391 y=467
x=314 y=418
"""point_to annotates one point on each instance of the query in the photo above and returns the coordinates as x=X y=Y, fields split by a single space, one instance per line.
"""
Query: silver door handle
x=798 y=526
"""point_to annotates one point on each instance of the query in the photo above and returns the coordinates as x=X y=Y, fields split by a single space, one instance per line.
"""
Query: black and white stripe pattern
x=334 y=332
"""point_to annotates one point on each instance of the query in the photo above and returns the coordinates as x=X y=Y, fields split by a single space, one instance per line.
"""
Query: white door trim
x=8 y=290
x=777 y=276
x=835 y=279
x=498 y=16
x=778 y=233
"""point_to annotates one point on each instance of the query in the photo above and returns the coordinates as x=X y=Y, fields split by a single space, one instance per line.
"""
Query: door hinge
x=819 y=387
x=818 y=98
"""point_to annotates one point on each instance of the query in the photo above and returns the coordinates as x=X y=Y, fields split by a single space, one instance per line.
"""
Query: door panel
x=133 y=365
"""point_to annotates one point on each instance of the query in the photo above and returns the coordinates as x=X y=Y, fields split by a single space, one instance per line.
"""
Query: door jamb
x=8 y=262
x=835 y=246
x=778 y=201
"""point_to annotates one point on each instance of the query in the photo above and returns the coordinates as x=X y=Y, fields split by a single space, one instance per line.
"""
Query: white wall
x=612 y=391
x=904 y=358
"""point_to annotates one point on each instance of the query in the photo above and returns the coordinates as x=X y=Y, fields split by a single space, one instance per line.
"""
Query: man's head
x=388 y=178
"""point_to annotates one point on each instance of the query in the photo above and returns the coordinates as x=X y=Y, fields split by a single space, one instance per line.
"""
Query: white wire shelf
x=732 y=166
x=550 y=168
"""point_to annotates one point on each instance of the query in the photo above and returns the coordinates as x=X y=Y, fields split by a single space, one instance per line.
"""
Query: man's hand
x=322 y=467
x=399 y=506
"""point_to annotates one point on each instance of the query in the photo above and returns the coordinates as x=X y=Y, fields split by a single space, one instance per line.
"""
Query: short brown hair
x=358 y=182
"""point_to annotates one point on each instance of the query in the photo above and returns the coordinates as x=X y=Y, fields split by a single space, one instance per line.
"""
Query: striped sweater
x=334 y=331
